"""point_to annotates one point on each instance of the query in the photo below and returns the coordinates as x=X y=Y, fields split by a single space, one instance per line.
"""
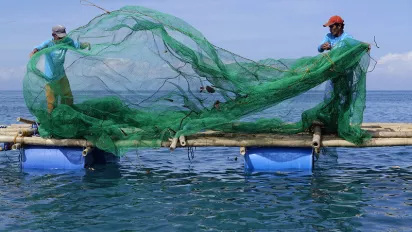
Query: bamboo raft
x=383 y=134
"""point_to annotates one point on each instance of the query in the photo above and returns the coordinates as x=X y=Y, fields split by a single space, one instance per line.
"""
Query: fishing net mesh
x=149 y=77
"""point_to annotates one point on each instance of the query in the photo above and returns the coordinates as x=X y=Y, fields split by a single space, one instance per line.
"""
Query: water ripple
x=368 y=189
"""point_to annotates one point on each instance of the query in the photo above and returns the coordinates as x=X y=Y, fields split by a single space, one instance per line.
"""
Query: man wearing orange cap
x=336 y=34
x=330 y=41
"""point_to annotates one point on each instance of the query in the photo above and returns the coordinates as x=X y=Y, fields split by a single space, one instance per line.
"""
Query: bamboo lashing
x=16 y=146
x=29 y=132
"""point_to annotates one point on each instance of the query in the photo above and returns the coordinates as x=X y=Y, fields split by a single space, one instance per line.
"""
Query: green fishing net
x=149 y=77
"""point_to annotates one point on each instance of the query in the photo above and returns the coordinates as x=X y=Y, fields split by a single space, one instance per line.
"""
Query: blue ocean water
x=363 y=189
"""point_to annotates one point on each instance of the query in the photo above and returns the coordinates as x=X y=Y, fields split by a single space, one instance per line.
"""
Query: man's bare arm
x=33 y=52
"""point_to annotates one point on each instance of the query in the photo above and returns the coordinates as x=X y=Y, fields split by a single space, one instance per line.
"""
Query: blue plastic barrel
x=41 y=157
x=63 y=158
x=273 y=159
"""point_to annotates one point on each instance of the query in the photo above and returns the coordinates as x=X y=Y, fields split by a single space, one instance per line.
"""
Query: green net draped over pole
x=150 y=76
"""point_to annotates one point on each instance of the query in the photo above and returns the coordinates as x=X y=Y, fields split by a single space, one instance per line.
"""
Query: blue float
x=63 y=158
x=274 y=159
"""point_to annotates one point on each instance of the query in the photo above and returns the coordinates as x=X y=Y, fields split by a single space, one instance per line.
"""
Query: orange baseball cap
x=333 y=20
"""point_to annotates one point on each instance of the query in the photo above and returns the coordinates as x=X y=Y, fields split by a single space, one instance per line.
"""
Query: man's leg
x=66 y=96
x=50 y=98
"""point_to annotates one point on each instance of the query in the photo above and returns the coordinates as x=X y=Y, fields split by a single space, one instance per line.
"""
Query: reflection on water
x=148 y=192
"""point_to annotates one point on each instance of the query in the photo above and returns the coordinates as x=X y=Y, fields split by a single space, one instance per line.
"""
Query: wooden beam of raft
x=399 y=135
x=233 y=142
x=46 y=142
x=216 y=142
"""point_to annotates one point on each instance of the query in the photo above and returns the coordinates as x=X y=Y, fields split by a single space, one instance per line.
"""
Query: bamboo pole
x=248 y=142
x=173 y=144
x=216 y=139
x=391 y=126
x=393 y=129
x=225 y=142
x=383 y=129
x=182 y=141
x=86 y=151
x=19 y=126
x=142 y=143
x=316 y=138
x=376 y=133
x=327 y=141
x=242 y=150
x=391 y=134
x=246 y=135
x=23 y=120
x=12 y=129
x=17 y=131
x=374 y=142
x=9 y=133
x=384 y=124
x=272 y=141
x=46 y=142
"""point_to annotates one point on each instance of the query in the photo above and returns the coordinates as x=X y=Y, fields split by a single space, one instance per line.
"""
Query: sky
x=256 y=29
